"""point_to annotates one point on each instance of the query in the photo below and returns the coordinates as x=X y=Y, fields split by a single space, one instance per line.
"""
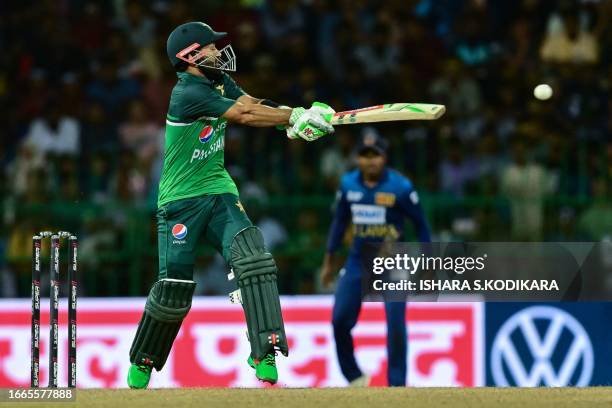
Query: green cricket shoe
x=265 y=369
x=139 y=376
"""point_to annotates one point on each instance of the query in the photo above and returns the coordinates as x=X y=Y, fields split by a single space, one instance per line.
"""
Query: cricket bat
x=389 y=112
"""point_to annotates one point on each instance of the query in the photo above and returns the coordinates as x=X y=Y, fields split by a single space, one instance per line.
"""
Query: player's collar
x=383 y=177
x=186 y=76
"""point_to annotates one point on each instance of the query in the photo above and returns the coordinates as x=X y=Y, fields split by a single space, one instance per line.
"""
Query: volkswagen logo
x=542 y=346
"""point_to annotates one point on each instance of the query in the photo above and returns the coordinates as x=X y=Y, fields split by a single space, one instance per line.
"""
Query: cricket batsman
x=375 y=200
x=198 y=199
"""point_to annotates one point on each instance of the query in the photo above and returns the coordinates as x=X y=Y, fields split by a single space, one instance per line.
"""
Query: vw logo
x=542 y=345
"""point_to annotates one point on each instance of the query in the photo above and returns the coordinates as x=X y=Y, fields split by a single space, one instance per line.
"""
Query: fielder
x=376 y=200
x=198 y=199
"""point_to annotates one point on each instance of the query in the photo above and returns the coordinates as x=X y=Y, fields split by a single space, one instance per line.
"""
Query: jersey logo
x=179 y=231
x=206 y=133
x=386 y=199
x=221 y=89
x=239 y=205
x=368 y=214
x=203 y=154
x=354 y=195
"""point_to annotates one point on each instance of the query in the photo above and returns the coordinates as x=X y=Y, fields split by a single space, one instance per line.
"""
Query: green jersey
x=195 y=138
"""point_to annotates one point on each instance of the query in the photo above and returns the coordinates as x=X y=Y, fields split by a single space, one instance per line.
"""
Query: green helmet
x=186 y=39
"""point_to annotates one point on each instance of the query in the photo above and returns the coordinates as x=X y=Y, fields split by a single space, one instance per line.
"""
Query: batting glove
x=314 y=123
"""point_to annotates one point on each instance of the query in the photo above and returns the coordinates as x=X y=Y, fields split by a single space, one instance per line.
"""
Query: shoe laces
x=144 y=368
x=270 y=359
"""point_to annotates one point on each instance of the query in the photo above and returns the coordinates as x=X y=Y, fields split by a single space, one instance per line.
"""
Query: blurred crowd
x=84 y=87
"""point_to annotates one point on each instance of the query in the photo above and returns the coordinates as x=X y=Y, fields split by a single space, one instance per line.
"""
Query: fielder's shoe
x=139 y=376
x=265 y=369
x=363 y=381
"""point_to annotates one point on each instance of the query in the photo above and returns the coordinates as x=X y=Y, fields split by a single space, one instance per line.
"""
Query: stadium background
x=98 y=71
x=84 y=87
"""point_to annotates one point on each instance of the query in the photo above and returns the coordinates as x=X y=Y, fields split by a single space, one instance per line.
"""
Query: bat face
x=389 y=112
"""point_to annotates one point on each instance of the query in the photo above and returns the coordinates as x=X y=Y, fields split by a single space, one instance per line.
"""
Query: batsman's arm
x=257 y=115
x=250 y=100
x=205 y=101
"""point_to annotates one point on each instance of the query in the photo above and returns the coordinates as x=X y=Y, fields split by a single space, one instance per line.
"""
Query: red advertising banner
x=446 y=344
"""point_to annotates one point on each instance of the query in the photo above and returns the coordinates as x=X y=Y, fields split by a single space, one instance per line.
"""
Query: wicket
x=54 y=282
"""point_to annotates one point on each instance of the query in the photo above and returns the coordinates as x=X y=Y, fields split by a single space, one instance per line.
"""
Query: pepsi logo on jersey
x=179 y=232
x=206 y=133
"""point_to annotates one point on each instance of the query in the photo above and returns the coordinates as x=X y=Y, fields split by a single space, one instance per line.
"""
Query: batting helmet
x=190 y=37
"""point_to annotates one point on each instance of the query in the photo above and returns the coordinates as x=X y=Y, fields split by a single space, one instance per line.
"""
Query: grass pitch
x=342 y=397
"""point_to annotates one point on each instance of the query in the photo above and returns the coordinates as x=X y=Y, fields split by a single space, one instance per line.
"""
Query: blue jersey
x=375 y=214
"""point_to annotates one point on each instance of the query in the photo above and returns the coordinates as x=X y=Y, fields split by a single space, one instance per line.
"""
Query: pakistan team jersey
x=195 y=138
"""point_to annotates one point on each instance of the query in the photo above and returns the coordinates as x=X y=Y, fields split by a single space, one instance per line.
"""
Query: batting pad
x=256 y=274
x=167 y=305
